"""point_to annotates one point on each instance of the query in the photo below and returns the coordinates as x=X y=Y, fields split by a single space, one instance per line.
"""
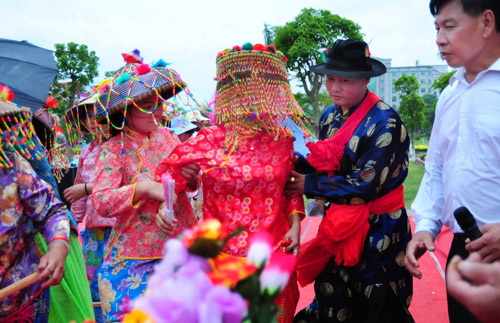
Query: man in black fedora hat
x=361 y=161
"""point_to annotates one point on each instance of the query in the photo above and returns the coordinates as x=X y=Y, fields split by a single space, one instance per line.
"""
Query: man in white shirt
x=463 y=160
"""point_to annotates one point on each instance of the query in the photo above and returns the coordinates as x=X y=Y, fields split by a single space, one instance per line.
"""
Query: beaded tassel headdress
x=79 y=123
x=253 y=93
x=16 y=131
x=136 y=81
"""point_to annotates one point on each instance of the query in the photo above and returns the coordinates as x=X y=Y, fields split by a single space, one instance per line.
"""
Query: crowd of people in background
x=90 y=247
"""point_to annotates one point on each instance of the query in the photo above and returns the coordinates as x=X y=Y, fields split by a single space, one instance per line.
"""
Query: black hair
x=471 y=7
x=116 y=119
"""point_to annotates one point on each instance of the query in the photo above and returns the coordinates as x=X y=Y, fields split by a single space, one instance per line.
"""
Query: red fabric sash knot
x=342 y=234
x=326 y=154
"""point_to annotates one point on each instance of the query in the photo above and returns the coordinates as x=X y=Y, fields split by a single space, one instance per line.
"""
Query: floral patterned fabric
x=135 y=234
x=25 y=196
x=97 y=228
x=94 y=241
x=243 y=186
x=85 y=174
x=120 y=282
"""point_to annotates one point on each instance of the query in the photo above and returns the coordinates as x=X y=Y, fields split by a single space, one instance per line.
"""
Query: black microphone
x=467 y=223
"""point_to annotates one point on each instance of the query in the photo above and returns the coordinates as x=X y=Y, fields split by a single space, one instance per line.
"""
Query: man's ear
x=488 y=20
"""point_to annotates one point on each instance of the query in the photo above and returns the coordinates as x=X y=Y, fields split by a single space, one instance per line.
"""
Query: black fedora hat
x=350 y=59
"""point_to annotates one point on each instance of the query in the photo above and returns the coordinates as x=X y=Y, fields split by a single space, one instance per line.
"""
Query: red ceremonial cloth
x=342 y=234
x=326 y=154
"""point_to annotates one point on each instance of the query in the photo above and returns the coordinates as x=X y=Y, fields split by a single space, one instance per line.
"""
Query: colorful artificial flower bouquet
x=196 y=283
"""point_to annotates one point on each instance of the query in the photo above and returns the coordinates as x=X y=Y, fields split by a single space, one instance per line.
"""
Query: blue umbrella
x=28 y=71
x=299 y=144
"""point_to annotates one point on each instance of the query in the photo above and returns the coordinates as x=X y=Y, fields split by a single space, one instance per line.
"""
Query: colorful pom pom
x=160 y=63
x=5 y=93
x=236 y=48
x=143 y=69
x=247 y=46
x=134 y=57
x=104 y=88
x=260 y=47
x=324 y=52
x=271 y=48
x=51 y=102
x=123 y=78
x=281 y=55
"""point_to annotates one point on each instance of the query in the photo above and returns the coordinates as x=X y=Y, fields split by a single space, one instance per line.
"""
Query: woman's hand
x=75 y=192
x=51 y=265
x=191 y=171
x=163 y=222
x=294 y=234
x=150 y=189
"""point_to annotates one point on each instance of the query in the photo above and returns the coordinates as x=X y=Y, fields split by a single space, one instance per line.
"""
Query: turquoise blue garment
x=94 y=246
x=120 y=282
x=42 y=168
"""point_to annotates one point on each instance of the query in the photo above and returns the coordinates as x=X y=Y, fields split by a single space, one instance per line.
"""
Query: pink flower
x=261 y=246
x=275 y=275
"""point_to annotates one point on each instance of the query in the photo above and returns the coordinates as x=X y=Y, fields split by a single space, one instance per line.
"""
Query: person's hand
x=190 y=172
x=295 y=184
x=150 y=189
x=418 y=245
x=294 y=235
x=488 y=245
x=163 y=222
x=74 y=193
x=476 y=285
x=51 y=265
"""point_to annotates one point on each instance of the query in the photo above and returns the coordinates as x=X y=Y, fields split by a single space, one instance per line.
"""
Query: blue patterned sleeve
x=375 y=162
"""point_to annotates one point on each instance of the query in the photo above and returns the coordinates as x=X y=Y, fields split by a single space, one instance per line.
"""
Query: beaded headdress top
x=253 y=92
x=16 y=131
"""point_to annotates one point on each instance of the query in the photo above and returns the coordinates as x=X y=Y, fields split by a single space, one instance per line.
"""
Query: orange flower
x=138 y=316
x=208 y=229
x=228 y=270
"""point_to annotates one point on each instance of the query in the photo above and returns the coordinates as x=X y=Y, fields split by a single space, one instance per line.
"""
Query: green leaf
x=207 y=248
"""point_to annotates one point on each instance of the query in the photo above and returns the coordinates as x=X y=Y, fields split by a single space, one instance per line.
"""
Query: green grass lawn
x=412 y=182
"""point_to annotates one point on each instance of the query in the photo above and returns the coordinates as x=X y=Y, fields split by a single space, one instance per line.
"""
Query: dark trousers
x=456 y=311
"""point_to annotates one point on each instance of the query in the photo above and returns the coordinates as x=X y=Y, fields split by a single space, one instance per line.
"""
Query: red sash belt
x=342 y=234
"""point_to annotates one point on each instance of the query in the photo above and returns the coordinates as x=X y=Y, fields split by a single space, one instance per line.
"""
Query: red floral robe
x=135 y=234
x=244 y=187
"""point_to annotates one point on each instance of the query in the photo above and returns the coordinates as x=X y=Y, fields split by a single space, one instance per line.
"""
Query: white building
x=383 y=85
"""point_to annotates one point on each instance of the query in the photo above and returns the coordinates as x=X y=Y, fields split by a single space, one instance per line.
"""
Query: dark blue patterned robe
x=375 y=162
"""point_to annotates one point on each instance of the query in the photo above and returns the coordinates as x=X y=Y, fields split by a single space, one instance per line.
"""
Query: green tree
x=307 y=104
x=301 y=39
x=412 y=105
x=77 y=69
x=406 y=84
x=429 y=111
x=441 y=82
x=109 y=74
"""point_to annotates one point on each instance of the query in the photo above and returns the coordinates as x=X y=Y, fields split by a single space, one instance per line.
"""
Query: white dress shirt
x=462 y=166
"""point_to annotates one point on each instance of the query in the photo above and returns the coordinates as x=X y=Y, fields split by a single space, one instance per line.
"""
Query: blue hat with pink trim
x=180 y=125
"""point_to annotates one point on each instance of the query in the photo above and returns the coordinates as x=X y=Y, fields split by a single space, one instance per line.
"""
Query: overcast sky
x=189 y=33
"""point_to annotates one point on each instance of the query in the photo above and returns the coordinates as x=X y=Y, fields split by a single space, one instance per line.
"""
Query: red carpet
x=429 y=293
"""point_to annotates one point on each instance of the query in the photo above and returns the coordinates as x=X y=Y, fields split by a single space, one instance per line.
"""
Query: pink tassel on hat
x=143 y=69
